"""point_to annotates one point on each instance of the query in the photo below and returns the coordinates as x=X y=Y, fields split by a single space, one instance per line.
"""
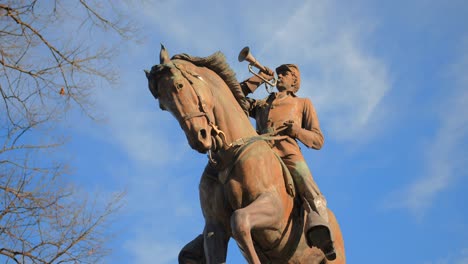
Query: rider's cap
x=295 y=70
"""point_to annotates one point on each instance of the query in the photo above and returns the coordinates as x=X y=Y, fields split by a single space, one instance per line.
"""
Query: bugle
x=245 y=55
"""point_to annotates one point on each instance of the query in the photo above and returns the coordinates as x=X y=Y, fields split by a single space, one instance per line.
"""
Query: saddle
x=222 y=169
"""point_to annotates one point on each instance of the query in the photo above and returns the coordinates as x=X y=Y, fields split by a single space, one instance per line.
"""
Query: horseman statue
x=257 y=186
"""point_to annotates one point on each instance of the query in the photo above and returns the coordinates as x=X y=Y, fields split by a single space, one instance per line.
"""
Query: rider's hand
x=268 y=74
x=293 y=128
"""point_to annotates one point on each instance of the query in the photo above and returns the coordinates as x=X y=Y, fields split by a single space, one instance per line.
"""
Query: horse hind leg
x=265 y=211
x=338 y=238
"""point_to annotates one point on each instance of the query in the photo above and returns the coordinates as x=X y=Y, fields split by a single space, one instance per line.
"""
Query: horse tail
x=338 y=239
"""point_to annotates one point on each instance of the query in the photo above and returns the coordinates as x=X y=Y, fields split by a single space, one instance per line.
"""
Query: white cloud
x=135 y=124
x=166 y=214
x=445 y=157
x=345 y=82
x=146 y=250
x=202 y=27
x=460 y=257
x=164 y=190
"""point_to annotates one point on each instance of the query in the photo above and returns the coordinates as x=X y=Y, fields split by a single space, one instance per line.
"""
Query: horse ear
x=147 y=74
x=163 y=55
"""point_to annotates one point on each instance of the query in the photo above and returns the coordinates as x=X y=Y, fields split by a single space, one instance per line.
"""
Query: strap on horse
x=241 y=143
x=272 y=136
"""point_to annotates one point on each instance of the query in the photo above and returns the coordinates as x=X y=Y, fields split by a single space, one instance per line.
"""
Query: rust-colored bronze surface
x=243 y=192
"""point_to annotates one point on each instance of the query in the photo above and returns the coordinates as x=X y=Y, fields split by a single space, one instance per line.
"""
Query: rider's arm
x=310 y=134
x=250 y=85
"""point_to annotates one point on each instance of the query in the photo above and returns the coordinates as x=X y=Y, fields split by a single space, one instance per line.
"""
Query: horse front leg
x=217 y=214
x=216 y=240
x=209 y=247
x=193 y=252
x=264 y=212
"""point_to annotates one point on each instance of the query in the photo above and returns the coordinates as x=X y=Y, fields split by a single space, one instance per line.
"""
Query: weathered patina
x=243 y=190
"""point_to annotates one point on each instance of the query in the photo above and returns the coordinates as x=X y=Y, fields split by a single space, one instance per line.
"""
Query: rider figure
x=283 y=109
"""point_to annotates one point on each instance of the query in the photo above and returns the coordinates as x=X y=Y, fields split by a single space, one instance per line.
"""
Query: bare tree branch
x=42 y=77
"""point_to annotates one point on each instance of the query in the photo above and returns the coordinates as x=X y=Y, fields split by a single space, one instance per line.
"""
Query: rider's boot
x=317 y=230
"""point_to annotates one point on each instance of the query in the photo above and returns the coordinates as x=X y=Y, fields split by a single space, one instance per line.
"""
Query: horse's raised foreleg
x=264 y=212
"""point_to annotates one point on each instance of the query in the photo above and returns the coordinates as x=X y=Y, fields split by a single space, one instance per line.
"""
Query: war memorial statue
x=256 y=187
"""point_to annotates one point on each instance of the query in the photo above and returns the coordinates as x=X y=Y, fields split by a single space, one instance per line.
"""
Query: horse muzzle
x=201 y=140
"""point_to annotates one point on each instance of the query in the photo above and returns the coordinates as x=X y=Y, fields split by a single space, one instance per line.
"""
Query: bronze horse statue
x=243 y=192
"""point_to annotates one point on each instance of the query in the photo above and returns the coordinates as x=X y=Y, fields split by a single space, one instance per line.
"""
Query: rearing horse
x=242 y=190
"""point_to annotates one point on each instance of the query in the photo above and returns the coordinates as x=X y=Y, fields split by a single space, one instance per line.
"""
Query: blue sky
x=389 y=80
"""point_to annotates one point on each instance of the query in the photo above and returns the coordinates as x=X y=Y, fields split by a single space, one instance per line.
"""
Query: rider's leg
x=318 y=231
x=308 y=187
x=305 y=184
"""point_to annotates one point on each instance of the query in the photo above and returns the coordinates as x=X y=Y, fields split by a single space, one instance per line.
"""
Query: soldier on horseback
x=287 y=114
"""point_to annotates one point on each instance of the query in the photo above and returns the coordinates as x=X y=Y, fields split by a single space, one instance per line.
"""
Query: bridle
x=202 y=107
x=217 y=132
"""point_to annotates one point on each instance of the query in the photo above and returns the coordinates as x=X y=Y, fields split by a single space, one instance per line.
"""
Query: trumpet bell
x=243 y=54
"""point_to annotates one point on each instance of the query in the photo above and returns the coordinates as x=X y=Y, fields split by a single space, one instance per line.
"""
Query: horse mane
x=217 y=63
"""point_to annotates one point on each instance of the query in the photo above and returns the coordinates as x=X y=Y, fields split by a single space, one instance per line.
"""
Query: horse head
x=184 y=93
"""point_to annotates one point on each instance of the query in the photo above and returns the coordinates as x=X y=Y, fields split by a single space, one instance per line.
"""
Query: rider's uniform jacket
x=271 y=114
